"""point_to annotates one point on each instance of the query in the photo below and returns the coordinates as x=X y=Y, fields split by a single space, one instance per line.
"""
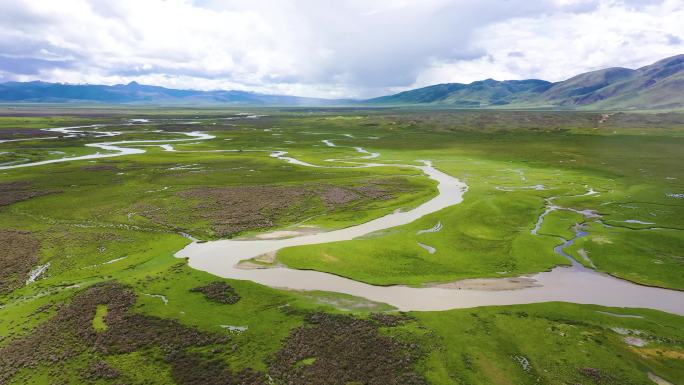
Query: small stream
x=113 y=149
x=560 y=249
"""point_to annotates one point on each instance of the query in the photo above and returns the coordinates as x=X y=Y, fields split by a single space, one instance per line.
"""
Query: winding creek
x=116 y=147
x=571 y=284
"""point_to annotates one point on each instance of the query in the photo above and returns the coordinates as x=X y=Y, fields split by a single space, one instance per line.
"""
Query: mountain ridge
x=656 y=86
x=135 y=93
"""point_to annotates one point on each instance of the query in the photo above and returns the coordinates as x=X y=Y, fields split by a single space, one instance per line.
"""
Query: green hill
x=656 y=86
x=482 y=93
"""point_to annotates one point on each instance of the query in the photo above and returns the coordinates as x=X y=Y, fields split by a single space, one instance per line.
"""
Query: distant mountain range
x=656 y=86
x=134 y=93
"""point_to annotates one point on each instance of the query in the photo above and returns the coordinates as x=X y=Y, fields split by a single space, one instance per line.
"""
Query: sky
x=329 y=48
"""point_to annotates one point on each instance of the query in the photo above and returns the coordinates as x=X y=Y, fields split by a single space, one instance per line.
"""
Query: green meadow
x=113 y=225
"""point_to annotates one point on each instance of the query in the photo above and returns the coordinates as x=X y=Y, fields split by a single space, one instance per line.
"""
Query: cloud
x=673 y=39
x=344 y=48
x=30 y=66
x=559 y=45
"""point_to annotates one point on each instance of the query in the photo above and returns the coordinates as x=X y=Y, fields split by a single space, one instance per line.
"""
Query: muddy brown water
x=570 y=284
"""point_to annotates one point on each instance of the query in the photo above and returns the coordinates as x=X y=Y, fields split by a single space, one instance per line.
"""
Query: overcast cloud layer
x=329 y=48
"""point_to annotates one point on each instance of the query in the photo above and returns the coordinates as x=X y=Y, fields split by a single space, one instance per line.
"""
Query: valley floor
x=97 y=205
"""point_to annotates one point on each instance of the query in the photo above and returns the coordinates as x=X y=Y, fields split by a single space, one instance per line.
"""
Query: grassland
x=632 y=172
x=118 y=221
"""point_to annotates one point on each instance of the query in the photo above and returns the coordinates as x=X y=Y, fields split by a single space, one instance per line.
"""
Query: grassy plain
x=634 y=171
x=119 y=220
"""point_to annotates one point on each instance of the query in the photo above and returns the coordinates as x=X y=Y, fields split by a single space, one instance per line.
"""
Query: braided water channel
x=573 y=283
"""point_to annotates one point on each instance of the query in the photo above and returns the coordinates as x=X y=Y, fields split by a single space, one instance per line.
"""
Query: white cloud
x=557 y=46
x=328 y=48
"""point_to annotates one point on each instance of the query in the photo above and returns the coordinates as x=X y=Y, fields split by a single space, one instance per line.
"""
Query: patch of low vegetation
x=71 y=332
x=236 y=209
x=219 y=292
x=341 y=350
x=232 y=210
x=336 y=197
x=337 y=349
x=99 y=167
x=597 y=376
x=18 y=253
x=13 y=192
x=195 y=369
x=100 y=370
x=391 y=320
x=19 y=132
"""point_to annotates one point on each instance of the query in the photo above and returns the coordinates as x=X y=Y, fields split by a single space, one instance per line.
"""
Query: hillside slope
x=656 y=86
x=477 y=94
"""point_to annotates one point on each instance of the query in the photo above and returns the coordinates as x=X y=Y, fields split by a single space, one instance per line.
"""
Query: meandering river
x=116 y=148
x=571 y=284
